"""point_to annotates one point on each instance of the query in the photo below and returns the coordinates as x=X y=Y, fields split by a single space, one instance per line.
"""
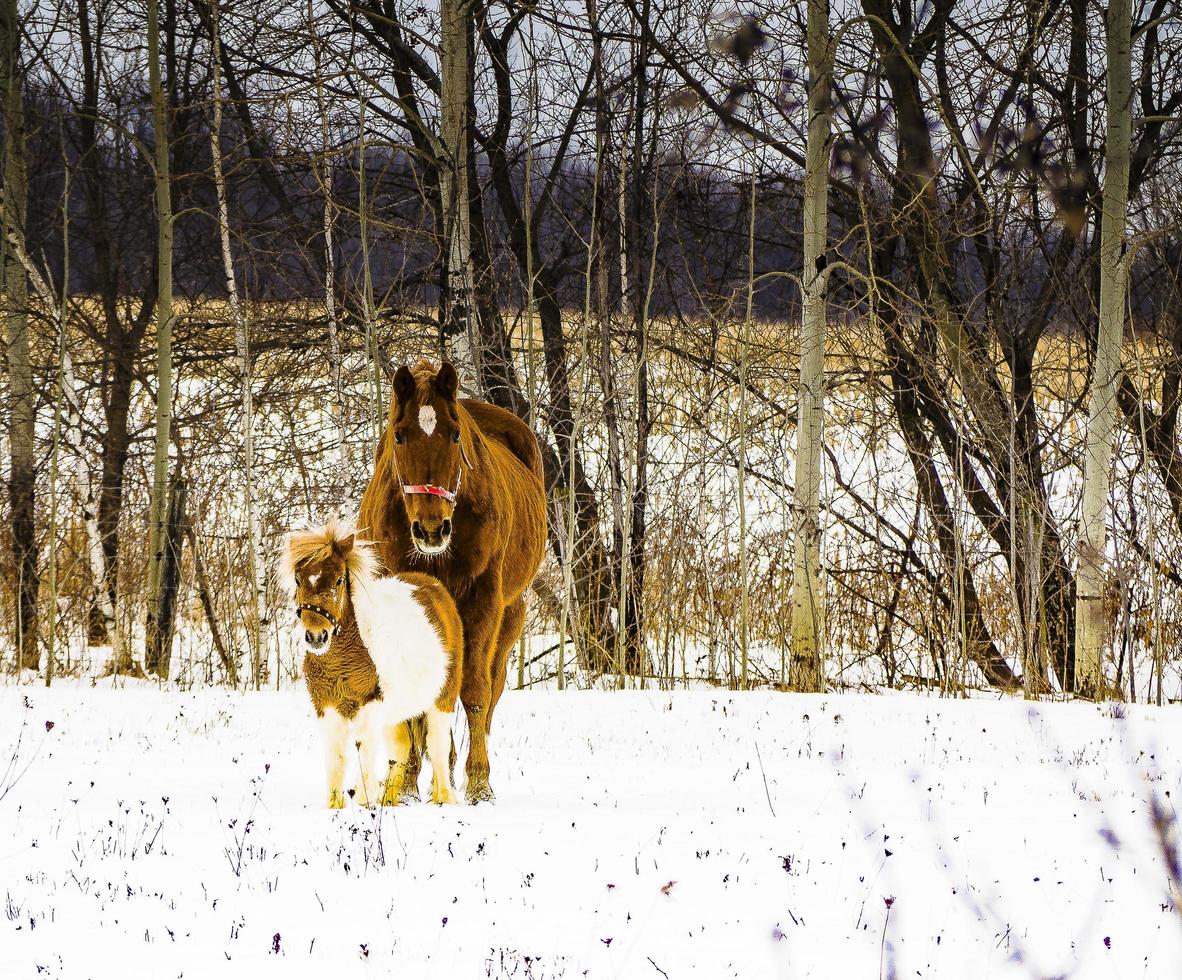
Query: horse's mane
x=316 y=542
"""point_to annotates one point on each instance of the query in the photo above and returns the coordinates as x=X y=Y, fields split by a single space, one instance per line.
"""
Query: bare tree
x=1091 y=618
x=807 y=671
x=22 y=417
x=156 y=657
x=257 y=621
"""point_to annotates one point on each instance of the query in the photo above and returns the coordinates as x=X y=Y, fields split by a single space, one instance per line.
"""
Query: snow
x=636 y=834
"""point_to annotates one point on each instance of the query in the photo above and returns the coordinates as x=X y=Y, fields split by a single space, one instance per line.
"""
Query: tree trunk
x=1091 y=622
x=59 y=410
x=242 y=340
x=206 y=595
x=325 y=172
x=160 y=496
x=104 y=497
x=807 y=670
x=22 y=410
x=455 y=58
x=158 y=657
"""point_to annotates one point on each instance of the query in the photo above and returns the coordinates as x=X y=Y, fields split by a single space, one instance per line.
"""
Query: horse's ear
x=344 y=545
x=404 y=385
x=447 y=382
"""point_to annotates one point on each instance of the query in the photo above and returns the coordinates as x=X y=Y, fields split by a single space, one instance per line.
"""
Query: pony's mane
x=316 y=542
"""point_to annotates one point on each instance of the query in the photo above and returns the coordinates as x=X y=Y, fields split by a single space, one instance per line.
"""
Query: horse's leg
x=511 y=626
x=414 y=760
x=336 y=743
x=438 y=745
x=482 y=623
x=398 y=750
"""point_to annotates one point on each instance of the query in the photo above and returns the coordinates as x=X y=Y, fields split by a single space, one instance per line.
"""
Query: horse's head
x=319 y=566
x=431 y=448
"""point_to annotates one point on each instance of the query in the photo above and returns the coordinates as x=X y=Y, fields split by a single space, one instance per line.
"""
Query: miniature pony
x=378 y=652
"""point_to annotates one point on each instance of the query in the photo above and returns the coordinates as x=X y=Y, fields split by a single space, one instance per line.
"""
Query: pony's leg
x=398 y=749
x=367 y=740
x=414 y=759
x=438 y=750
x=482 y=624
x=511 y=625
x=336 y=743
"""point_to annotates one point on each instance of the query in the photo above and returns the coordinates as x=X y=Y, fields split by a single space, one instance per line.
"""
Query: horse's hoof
x=409 y=796
x=336 y=799
x=481 y=793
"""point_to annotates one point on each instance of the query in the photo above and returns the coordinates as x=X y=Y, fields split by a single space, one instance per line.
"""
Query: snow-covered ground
x=635 y=835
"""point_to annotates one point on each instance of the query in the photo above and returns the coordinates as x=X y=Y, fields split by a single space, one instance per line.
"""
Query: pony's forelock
x=316 y=542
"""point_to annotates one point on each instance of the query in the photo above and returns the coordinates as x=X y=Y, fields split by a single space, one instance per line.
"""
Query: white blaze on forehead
x=427 y=419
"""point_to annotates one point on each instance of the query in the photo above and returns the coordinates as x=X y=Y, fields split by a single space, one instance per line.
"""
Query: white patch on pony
x=427 y=419
x=404 y=645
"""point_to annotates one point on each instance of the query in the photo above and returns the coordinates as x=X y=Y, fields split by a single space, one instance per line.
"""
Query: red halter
x=431 y=488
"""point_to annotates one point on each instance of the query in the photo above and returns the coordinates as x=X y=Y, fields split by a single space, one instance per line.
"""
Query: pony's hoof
x=409 y=796
x=336 y=799
x=481 y=793
x=444 y=795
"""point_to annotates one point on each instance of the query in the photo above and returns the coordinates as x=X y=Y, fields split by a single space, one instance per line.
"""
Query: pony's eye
x=455 y=436
x=398 y=437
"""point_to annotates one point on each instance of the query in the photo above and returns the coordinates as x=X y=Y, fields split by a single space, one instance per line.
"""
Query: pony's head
x=431 y=444
x=319 y=566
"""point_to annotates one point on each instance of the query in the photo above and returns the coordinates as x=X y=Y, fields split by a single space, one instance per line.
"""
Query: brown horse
x=457 y=493
x=378 y=651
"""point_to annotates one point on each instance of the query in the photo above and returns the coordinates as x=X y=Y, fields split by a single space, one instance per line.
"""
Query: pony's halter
x=319 y=611
x=436 y=491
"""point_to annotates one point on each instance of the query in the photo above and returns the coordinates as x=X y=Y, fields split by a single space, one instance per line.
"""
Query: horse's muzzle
x=431 y=540
x=316 y=641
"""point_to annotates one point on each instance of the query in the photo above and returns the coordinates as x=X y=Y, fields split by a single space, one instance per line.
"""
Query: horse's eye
x=340 y=580
x=398 y=438
x=455 y=436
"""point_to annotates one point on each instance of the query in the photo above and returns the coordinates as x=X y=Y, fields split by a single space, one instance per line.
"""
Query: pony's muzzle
x=431 y=537
x=316 y=641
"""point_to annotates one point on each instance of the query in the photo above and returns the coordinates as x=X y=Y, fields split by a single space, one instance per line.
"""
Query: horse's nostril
x=445 y=527
x=417 y=529
x=307 y=636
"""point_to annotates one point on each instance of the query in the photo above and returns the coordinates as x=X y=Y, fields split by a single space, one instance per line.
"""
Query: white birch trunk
x=19 y=391
x=1091 y=625
x=744 y=583
x=242 y=342
x=807 y=669
x=330 y=287
x=55 y=454
x=81 y=475
x=377 y=414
